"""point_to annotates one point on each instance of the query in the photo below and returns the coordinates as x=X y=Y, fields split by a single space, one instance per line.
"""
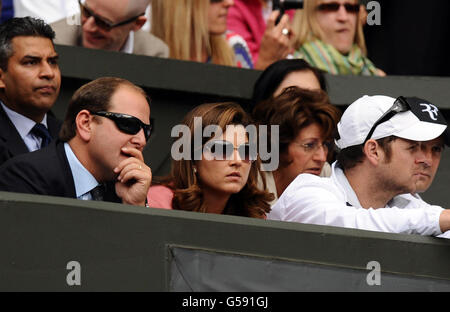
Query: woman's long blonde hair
x=306 y=27
x=183 y=26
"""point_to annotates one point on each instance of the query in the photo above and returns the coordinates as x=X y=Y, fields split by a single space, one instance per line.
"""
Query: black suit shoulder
x=12 y=144
x=44 y=172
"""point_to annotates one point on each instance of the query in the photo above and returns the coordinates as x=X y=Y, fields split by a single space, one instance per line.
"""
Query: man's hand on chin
x=134 y=178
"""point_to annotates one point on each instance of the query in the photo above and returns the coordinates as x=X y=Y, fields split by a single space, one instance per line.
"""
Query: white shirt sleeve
x=445 y=235
x=316 y=200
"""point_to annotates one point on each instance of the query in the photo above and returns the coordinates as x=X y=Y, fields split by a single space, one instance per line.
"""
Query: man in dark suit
x=99 y=152
x=29 y=86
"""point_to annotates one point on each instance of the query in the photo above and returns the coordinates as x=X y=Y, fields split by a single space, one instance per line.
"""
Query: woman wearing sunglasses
x=196 y=31
x=329 y=35
x=219 y=173
x=306 y=122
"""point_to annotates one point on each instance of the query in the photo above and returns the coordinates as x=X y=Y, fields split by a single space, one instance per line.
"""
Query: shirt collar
x=23 y=124
x=84 y=181
x=129 y=44
x=339 y=177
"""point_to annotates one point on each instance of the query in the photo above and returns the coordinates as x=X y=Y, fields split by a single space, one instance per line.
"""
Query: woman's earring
x=195 y=170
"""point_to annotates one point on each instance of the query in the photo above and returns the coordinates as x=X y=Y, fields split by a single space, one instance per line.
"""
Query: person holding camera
x=267 y=40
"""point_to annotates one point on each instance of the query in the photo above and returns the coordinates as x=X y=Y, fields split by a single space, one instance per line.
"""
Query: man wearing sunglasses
x=381 y=157
x=99 y=152
x=30 y=81
x=113 y=25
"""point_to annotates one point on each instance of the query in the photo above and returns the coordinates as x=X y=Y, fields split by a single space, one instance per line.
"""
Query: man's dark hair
x=349 y=157
x=94 y=96
x=20 y=26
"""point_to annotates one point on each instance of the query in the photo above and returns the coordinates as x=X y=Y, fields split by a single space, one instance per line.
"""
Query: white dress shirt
x=332 y=201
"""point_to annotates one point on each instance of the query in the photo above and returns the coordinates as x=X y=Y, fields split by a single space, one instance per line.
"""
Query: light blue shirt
x=24 y=125
x=84 y=181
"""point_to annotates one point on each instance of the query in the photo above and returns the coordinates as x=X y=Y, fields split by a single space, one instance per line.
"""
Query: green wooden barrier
x=59 y=244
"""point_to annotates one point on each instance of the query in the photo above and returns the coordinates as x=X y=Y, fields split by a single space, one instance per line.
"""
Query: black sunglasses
x=223 y=150
x=334 y=6
x=101 y=22
x=400 y=105
x=127 y=123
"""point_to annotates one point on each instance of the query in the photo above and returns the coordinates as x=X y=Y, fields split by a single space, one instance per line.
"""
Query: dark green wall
x=127 y=248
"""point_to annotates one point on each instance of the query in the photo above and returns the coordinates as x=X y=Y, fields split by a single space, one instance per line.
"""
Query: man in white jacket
x=380 y=158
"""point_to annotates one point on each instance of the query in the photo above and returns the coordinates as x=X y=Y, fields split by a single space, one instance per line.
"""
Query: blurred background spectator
x=53 y=10
x=254 y=21
x=113 y=25
x=287 y=73
x=329 y=35
x=414 y=48
x=194 y=30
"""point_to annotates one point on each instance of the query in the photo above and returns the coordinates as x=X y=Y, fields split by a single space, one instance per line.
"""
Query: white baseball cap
x=418 y=120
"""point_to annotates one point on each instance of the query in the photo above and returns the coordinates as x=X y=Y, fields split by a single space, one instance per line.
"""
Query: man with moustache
x=113 y=25
x=30 y=80
x=99 y=152
x=381 y=157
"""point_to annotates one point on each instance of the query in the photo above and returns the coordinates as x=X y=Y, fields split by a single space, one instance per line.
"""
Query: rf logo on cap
x=431 y=110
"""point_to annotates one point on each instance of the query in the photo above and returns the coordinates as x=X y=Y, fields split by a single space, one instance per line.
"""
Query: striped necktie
x=41 y=131
x=98 y=192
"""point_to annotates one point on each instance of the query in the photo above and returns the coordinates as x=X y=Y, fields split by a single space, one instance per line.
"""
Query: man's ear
x=373 y=151
x=84 y=125
x=2 y=76
x=139 y=23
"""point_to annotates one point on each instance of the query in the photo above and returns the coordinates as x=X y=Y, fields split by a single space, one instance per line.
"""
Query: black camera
x=284 y=5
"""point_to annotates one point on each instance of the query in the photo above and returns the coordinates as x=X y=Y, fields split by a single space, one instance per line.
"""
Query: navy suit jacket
x=11 y=144
x=44 y=172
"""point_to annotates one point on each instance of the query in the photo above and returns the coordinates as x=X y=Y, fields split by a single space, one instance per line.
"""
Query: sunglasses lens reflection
x=133 y=126
x=128 y=125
